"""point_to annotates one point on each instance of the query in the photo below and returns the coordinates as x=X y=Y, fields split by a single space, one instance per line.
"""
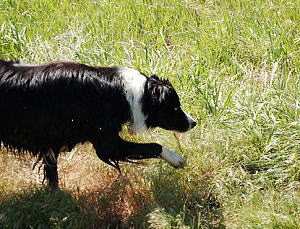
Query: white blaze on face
x=134 y=84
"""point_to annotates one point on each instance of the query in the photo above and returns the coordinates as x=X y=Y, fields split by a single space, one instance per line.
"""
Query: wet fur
x=44 y=108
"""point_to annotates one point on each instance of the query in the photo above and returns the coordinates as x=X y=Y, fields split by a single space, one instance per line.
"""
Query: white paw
x=172 y=158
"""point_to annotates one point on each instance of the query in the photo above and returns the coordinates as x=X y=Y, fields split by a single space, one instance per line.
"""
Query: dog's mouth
x=178 y=135
x=131 y=129
x=184 y=124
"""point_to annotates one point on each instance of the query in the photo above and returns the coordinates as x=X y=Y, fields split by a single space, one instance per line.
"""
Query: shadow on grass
x=122 y=204
x=169 y=201
x=38 y=208
x=101 y=207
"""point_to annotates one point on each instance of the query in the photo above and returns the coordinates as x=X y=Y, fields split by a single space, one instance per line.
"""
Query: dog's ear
x=156 y=88
x=166 y=82
x=154 y=78
x=161 y=80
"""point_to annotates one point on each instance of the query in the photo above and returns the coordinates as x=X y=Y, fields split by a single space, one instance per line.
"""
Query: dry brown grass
x=98 y=189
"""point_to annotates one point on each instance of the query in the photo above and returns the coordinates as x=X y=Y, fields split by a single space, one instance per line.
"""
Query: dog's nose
x=193 y=124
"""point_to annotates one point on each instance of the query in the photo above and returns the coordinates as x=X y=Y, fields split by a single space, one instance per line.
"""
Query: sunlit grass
x=236 y=67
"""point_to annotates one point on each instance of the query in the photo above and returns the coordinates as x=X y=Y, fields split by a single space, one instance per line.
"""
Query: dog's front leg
x=172 y=158
x=153 y=150
x=114 y=148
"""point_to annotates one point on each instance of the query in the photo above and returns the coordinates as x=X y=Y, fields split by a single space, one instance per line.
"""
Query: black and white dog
x=44 y=108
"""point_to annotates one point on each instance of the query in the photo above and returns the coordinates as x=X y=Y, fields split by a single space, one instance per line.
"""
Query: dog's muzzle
x=191 y=121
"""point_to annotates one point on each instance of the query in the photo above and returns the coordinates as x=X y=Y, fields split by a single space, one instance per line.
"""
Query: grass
x=236 y=66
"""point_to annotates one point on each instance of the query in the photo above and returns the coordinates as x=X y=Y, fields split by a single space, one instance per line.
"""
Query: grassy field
x=236 y=66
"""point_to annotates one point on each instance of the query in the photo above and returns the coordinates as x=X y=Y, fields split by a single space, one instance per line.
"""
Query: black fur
x=46 y=107
x=162 y=106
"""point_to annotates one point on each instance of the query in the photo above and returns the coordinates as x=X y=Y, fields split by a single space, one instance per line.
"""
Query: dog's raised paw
x=173 y=158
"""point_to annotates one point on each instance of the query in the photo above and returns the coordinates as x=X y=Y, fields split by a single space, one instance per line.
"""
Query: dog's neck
x=134 y=84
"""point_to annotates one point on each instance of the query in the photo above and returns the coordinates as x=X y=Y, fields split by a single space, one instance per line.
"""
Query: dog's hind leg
x=50 y=169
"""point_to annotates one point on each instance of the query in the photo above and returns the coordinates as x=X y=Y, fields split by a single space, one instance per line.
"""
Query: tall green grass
x=236 y=66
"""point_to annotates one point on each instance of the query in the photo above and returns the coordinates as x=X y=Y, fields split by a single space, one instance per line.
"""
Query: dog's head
x=162 y=107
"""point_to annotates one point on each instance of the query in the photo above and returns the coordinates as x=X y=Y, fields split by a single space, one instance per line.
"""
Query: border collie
x=45 y=108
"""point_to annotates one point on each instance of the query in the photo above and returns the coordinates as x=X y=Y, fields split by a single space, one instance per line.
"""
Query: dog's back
x=56 y=104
